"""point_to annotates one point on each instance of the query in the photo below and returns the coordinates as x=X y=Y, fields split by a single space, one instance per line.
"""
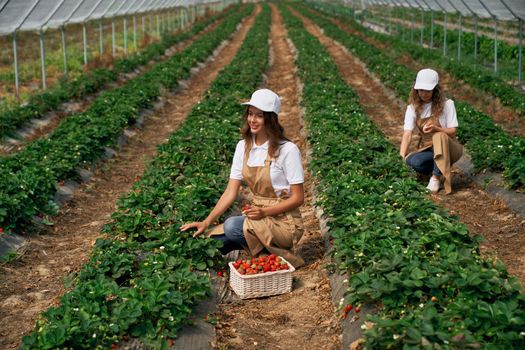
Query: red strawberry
x=357 y=309
x=348 y=308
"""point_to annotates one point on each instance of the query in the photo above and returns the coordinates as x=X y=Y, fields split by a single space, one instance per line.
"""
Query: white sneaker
x=433 y=184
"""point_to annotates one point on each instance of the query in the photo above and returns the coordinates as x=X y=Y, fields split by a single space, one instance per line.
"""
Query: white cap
x=265 y=100
x=426 y=79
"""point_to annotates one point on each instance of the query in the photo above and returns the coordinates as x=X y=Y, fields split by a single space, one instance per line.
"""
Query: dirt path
x=304 y=318
x=34 y=282
x=505 y=117
x=502 y=228
x=44 y=126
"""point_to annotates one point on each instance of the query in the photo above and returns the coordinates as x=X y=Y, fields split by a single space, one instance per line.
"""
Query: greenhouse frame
x=42 y=15
x=495 y=10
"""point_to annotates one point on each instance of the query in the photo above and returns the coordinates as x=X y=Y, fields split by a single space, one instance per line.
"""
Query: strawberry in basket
x=261 y=264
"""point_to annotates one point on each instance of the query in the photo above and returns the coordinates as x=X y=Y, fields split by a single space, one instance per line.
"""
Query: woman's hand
x=199 y=225
x=428 y=128
x=254 y=213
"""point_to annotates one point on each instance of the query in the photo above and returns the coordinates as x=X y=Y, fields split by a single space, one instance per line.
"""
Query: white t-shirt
x=447 y=119
x=285 y=170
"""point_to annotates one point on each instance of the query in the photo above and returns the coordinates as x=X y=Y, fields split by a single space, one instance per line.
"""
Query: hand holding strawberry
x=253 y=213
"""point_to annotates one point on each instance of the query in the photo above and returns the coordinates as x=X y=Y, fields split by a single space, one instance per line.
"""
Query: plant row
x=143 y=280
x=470 y=73
x=489 y=146
x=92 y=82
x=28 y=179
x=417 y=263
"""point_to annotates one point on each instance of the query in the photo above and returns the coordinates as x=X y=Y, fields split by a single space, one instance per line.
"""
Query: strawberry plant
x=29 y=177
x=489 y=146
x=145 y=278
x=398 y=247
x=96 y=80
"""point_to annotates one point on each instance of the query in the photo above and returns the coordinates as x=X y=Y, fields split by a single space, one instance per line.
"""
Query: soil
x=306 y=317
x=508 y=119
x=484 y=215
x=34 y=281
x=45 y=126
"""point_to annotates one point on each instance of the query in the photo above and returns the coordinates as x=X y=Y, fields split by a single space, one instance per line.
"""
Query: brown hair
x=438 y=103
x=274 y=130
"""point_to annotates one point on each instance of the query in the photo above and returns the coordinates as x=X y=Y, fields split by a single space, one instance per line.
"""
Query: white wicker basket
x=261 y=284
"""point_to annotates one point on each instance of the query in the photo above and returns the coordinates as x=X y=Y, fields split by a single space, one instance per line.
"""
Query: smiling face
x=255 y=119
x=425 y=95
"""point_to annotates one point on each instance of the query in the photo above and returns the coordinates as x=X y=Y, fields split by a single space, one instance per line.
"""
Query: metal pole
x=17 y=72
x=422 y=28
x=495 y=45
x=411 y=27
x=135 y=32
x=125 y=24
x=158 y=26
x=403 y=26
x=459 y=36
x=84 y=35
x=143 y=28
x=431 y=29
x=43 y=59
x=445 y=36
x=101 y=37
x=113 y=48
x=519 y=50
x=64 y=47
x=390 y=22
x=475 y=39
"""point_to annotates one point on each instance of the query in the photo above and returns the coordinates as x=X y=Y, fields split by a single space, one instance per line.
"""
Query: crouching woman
x=271 y=166
x=435 y=119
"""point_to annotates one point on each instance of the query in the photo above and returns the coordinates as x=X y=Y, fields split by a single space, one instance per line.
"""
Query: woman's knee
x=421 y=162
x=439 y=136
x=233 y=226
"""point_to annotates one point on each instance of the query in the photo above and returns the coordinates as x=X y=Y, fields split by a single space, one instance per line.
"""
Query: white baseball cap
x=266 y=100
x=426 y=79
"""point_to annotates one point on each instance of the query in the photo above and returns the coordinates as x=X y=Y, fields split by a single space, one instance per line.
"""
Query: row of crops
x=401 y=251
x=28 y=179
x=413 y=260
x=143 y=280
x=489 y=146
x=470 y=73
x=91 y=82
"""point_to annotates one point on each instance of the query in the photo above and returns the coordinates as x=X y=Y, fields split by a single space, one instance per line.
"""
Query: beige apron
x=277 y=234
x=447 y=150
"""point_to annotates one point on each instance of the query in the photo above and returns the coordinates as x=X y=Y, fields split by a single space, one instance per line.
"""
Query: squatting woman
x=435 y=119
x=271 y=167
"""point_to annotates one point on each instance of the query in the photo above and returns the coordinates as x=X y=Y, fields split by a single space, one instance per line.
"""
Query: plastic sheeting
x=500 y=9
x=34 y=15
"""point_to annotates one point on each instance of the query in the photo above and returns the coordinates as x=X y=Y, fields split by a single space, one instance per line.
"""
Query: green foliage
x=402 y=252
x=85 y=84
x=28 y=178
x=144 y=280
x=489 y=146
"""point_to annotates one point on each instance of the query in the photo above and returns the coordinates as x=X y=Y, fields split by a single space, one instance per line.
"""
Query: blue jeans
x=423 y=162
x=233 y=237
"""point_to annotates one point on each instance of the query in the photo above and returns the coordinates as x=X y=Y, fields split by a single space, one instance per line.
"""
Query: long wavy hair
x=438 y=103
x=274 y=130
